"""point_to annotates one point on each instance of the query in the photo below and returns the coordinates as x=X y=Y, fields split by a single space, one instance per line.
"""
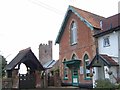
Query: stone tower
x=45 y=52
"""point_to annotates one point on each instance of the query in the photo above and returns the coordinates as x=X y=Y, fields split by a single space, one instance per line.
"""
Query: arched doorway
x=25 y=65
x=23 y=69
x=27 y=78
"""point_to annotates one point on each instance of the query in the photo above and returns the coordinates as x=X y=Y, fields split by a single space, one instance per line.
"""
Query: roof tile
x=90 y=17
x=109 y=59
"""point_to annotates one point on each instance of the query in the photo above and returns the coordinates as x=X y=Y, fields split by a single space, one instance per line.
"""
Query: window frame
x=73 y=33
x=106 y=41
x=86 y=71
x=65 y=72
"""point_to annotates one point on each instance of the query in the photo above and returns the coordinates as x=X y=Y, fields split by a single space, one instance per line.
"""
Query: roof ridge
x=86 y=11
x=113 y=15
x=27 y=49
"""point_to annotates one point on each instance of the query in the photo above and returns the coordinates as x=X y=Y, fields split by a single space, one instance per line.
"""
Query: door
x=26 y=81
x=75 y=81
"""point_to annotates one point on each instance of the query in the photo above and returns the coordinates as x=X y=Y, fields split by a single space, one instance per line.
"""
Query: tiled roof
x=109 y=25
x=93 y=19
x=106 y=60
x=111 y=22
x=109 y=60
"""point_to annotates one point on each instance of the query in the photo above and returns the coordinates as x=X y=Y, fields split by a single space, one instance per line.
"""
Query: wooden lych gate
x=32 y=78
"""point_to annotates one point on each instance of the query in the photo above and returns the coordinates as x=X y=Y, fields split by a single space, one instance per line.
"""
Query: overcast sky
x=27 y=23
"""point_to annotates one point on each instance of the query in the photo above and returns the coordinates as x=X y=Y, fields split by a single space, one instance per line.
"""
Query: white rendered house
x=106 y=63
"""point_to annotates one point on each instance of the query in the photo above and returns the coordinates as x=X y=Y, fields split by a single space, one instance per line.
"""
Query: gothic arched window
x=73 y=33
x=86 y=71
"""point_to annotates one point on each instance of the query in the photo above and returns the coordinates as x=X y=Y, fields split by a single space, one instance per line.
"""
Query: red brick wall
x=85 y=45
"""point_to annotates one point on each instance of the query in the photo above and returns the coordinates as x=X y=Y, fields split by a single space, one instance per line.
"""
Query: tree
x=3 y=63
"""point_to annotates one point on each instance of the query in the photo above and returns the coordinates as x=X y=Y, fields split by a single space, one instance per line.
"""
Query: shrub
x=104 y=84
x=117 y=86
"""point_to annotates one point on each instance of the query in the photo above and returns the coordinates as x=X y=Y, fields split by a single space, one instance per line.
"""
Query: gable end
x=69 y=11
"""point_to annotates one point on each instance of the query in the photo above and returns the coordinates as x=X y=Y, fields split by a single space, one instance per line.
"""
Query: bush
x=104 y=84
x=117 y=86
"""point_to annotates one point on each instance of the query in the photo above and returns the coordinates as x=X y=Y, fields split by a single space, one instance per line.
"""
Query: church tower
x=45 y=52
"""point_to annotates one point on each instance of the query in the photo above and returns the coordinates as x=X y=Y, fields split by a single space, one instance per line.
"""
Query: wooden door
x=26 y=81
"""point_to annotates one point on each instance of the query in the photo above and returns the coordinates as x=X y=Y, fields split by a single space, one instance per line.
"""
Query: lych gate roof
x=27 y=57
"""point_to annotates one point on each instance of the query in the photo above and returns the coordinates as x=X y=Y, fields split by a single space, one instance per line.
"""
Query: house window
x=86 y=71
x=65 y=70
x=106 y=41
x=73 y=33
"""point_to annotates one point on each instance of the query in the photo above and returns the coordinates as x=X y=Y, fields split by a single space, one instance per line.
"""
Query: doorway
x=75 y=80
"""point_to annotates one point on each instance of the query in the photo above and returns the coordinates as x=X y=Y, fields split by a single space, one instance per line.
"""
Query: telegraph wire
x=48 y=7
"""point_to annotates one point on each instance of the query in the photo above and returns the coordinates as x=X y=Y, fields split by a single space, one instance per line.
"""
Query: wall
x=114 y=72
x=119 y=50
x=112 y=50
x=85 y=45
x=102 y=73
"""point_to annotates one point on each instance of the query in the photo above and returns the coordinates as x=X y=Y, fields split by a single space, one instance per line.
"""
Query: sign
x=81 y=69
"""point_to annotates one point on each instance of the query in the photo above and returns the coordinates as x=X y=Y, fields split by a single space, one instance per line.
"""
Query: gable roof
x=105 y=59
x=27 y=57
x=90 y=19
x=109 y=60
x=111 y=22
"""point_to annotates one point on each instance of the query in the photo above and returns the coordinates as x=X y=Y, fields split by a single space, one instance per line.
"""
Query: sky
x=28 y=23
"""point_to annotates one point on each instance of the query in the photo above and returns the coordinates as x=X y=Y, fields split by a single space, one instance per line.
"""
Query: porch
x=104 y=67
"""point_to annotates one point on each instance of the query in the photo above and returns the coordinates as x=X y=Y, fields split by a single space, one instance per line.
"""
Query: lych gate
x=32 y=78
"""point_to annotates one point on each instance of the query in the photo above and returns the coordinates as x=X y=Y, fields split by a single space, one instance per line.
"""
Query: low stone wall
x=6 y=83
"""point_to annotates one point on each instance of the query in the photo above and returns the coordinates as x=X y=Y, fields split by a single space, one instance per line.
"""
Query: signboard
x=81 y=69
